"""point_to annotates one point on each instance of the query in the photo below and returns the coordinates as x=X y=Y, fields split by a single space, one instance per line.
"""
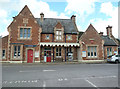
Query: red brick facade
x=29 y=40
x=91 y=38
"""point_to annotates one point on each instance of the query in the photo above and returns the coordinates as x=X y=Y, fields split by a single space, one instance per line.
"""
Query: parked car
x=113 y=58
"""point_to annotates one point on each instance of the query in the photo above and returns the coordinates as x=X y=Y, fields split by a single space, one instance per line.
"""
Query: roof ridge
x=54 y=18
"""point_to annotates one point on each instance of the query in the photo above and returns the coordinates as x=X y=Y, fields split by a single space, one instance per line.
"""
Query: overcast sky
x=100 y=14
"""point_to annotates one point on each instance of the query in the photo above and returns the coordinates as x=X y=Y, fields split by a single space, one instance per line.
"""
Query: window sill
x=16 y=58
x=3 y=57
x=24 y=38
x=91 y=57
x=58 y=56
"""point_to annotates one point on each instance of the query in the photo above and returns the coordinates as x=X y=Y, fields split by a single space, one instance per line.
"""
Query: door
x=48 y=56
x=30 y=56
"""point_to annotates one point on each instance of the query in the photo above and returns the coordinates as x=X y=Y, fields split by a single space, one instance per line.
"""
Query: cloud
x=82 y=8
x=9 y=7
x=101 y=24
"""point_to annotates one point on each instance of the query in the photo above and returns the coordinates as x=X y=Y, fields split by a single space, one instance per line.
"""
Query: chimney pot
x=109 y=31
x=101 y=33
x=73 y=18
x=41 y=17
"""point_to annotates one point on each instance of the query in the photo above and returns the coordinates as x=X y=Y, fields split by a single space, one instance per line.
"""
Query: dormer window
x=58 y=35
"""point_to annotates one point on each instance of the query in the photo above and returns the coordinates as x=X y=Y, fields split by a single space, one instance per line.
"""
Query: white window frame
x=17 y=51
x=91 y=50
x=23 y=33
x=58 y=35
x=109 y=52
x=59 y=56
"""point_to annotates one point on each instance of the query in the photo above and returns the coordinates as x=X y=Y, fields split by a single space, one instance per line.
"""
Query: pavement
x=70 y=75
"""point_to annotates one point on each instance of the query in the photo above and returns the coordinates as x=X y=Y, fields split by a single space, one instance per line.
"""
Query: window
x=69 y=50
x=58 y=52
x=16 y=51
x=109 y=51
x=69 y=37
x=47 y=36
x=92 y=51
x=58 y=35
x=25 y=33
x=3 y=53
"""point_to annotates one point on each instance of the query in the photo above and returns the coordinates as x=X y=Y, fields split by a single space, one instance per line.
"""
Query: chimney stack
x=41 y=17
x=73 y=18
x=109 y=31
x=101 y=33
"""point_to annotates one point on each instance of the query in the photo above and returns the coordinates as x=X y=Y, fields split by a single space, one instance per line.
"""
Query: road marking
x=65 y=79
x=44 y=84
x=30 y=71
x=97 y=77
x=48 y=70
x=91 y=83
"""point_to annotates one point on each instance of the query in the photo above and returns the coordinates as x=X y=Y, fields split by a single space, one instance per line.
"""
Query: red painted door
x=30 y=56
x=48 y=56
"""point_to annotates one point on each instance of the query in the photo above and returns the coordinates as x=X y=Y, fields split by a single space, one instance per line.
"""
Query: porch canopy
x=53 y=44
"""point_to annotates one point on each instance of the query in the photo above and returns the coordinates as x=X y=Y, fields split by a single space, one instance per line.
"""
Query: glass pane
x=107 y=51
x=60 y=37
x=21 y=33
x=15 y=49
x=88 y=53
x=56 y=49
x=60 y=54
x=57 y=37
x=60 y=49
x=56 y=54
x=91 y=53
x=18 y=50
x=91 y=49
x=3 y=53
x=95 y=54
x=25 y=33
x=28 y=32
x=57 y=32
x=60 y=33
x=88 y=49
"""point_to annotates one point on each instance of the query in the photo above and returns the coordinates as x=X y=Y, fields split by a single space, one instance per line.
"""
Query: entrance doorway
x=30 y=56
x=47 y=55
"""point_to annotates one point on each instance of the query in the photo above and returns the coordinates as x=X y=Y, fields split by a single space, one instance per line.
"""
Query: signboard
x=83 y=53
x=115 y=52
x=37 y=54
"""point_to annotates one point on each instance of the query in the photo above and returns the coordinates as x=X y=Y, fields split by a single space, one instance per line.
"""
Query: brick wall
x=24 y=19
x=5 y=47
x=91 y=38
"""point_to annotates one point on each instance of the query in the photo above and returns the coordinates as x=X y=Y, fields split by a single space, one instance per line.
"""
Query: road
x=64 y=75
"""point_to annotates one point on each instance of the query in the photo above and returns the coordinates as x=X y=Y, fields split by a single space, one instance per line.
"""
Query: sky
x=100 y=13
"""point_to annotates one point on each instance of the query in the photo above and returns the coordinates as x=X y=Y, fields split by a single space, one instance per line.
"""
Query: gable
x=58 y=25
x=91 y=33
x=25 y=14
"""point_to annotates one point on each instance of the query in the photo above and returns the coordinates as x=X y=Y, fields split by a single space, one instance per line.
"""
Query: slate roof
x=48 y=25
x=108 y=41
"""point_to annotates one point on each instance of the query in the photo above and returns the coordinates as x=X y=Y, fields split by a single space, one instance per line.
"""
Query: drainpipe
x=53 y=54
x=65 y=48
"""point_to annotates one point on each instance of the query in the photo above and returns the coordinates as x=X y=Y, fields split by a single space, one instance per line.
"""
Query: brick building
x=96 y=46
x=42 y=39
